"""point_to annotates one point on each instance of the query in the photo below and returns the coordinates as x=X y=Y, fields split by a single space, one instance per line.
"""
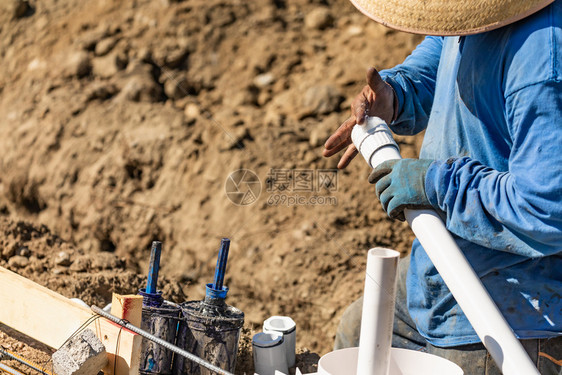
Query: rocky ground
x=122 y=120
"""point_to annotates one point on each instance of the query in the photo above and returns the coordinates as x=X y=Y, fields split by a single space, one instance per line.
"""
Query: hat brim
x=446 y=17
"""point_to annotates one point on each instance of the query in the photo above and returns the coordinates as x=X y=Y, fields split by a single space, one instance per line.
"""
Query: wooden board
x=51 y=318
x=127 y=307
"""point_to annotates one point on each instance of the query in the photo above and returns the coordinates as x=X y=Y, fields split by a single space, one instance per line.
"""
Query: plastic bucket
x=402 y=362
x=162 y=322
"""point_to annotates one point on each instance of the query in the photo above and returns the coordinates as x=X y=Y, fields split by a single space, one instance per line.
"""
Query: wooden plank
x=127 y=307
x=51 y=318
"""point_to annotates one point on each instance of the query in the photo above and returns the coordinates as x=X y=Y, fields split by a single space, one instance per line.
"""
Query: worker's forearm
x=485 y=207
x=414 y=84
x=518 y=210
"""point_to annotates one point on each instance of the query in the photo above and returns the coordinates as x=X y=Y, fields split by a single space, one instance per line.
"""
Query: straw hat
x=448 y=17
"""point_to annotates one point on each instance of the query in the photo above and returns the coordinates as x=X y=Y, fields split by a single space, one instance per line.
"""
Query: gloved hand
x=400 y=184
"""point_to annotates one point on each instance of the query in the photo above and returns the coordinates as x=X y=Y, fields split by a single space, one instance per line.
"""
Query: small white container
x=269 y=354
x=287 y=327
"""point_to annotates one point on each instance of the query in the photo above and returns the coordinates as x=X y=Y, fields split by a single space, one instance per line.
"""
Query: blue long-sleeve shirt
x=491 y=105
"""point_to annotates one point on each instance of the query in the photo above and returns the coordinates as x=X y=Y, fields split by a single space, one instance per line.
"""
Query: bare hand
x=376 y=99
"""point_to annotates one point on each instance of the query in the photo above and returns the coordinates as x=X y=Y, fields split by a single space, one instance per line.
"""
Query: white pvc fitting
x=269 y=354
x=284 y=325
x=378 y=312
x=374 y=141
x=450 y=262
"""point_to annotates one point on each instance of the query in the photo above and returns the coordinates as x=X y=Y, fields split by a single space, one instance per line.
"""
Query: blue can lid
x=215 y=293
x=151 y=299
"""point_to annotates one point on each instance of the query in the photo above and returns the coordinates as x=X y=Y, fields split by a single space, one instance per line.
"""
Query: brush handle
x=221 y=264
x=151 y=284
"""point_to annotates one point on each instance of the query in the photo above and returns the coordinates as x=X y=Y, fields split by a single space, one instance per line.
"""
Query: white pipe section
x=269 y=354
x=464 y=284
x=378 y=312
x=286 y=327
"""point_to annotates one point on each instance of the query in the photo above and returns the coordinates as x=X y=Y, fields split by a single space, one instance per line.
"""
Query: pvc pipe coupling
x=269 y=354
x=274 y=348
x=375 y=142
x=285 y=326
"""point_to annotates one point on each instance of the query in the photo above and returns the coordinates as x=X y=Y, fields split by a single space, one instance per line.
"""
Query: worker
x=486 y=86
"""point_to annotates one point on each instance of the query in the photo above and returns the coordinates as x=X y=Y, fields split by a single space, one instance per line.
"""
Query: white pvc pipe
x=286 y=327
x=269 y=354
x=378 y=312
x=450 y=262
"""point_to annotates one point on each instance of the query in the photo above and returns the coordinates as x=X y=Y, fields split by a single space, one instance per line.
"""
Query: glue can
x=210 y=328
x=160 y=318
x=161 y=321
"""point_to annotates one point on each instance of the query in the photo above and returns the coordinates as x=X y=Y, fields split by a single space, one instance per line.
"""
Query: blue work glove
x=400 y=184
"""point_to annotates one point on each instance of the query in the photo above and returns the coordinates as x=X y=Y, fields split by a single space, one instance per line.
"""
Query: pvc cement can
x=210 y=331
x=162 y=322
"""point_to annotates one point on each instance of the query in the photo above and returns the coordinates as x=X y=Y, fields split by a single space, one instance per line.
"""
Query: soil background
x=121 y=121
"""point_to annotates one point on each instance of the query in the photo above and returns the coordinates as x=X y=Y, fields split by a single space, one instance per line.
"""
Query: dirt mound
x=45 y=258
x=122 y=120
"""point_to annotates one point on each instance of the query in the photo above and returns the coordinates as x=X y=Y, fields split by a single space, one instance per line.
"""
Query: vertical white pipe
x=269 y=354
x=450 y=262
x=378 y=312
x=285 y=326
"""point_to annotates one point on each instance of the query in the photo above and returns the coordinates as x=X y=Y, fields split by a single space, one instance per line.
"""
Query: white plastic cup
x=269 y=354
x=287 y=327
